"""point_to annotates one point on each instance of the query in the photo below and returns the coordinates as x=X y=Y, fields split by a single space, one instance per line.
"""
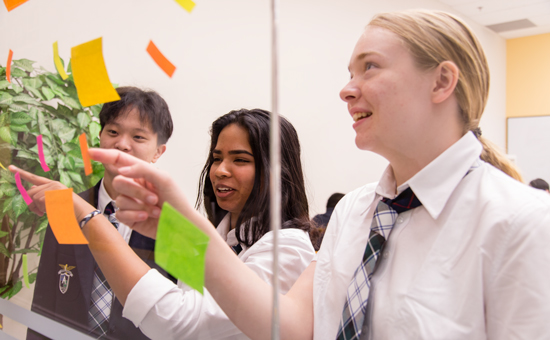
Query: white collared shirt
x=163 y=310
x=470 y=263
x=103 y=199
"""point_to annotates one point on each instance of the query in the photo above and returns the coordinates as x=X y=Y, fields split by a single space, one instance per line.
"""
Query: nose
x=222 y=170
x=123 y=143
x=350 y=92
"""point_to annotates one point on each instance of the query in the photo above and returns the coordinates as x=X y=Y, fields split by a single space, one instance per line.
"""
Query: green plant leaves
x=67 y=133
x=5 y=134
x=24 y=98
x=95 y=129
x=48 y=93
x=4 y=251
x=25 y=64
x=18 y=205
x=4 y=84
x=5 y=98
x=27 y=109
x=42 y=226
x=17 y=72
x=72 y=102
x=19 y=128
x=83 y=119
x=20 y=118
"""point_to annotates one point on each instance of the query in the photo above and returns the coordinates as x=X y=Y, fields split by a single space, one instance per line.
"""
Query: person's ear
x=160 y=150
x=446 y=77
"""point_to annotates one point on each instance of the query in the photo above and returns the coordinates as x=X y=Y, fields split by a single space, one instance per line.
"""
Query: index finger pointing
x=27 y=176
x=113 y=157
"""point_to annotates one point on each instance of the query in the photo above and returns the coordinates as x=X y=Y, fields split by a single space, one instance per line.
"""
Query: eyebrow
x=363 y=56
x=133 y=129
x=233 y=152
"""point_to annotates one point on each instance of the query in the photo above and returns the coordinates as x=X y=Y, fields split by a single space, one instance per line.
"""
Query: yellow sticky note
x=90 y=75
x=188 y=5
x=2 y=166
x=57 y=62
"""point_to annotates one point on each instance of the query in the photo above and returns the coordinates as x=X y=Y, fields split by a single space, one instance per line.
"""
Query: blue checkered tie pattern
x=102 y=294
x=353 y=315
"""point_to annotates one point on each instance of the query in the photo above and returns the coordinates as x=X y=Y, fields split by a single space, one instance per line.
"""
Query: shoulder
x=511 y=198
x=289 y=237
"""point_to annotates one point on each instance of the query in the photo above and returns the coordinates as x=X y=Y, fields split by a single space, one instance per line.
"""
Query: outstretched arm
x=118 y=262
x=243 y=296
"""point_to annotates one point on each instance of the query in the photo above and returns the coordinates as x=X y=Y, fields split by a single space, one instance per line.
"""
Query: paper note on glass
x=85 y=155
x=188 y=5
x=90 y=75
x=25 y=271
x=1 y=165
x=11 y=4
x=58 y=63
x=180 y=248
x=21 y=188
x=160 y=59
x=41 y=157
x=8 y=67
x=60 y=211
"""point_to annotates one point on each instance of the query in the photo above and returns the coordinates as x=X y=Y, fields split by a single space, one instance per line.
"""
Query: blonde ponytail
x=492 y=155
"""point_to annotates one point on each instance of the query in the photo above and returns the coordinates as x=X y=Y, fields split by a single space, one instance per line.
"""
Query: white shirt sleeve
x=163 y=311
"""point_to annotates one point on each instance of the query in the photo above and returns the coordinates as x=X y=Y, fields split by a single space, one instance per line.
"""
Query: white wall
x=222 y=54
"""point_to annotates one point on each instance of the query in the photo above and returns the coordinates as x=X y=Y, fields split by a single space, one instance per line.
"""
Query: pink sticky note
x=41 y=154
x=22 y=190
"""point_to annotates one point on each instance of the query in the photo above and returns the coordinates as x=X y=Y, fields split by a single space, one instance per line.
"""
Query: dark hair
x=539 y=183
x=152 y=109
x=334 y=199
x=294 y=206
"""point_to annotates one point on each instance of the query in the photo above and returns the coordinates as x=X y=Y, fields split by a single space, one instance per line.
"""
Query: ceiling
x=509 y=18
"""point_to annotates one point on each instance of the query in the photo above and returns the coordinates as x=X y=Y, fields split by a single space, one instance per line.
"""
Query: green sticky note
x=25 y=271
x=180 y=248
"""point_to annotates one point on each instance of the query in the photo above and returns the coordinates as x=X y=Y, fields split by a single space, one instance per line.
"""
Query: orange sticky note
x=188 y=5
x=90 y=74
x=8 y=67
x=60 y=210
x=85 y=154
x=11 y=4
x=160 y=59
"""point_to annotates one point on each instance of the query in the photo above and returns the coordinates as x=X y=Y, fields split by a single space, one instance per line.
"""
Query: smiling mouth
x=224 y=190
x=360 y=115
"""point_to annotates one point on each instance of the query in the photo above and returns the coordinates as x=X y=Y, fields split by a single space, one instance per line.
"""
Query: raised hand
x=38 y=191
x=142 y=190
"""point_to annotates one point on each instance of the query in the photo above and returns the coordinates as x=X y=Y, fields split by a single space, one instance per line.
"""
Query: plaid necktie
x=102 y=294
x=383 y=220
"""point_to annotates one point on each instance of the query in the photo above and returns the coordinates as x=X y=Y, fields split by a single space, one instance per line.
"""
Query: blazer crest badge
x=65 y=275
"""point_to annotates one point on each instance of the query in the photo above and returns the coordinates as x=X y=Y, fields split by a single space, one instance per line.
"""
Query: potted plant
x=38 y=102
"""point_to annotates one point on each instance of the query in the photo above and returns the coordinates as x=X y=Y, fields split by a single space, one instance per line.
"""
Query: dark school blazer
x=72 y=307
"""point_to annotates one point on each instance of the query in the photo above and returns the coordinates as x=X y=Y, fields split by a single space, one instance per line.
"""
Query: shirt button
x=386 y=254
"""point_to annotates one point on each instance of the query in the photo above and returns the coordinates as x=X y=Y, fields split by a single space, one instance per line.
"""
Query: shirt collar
x=103 y=197
x=434 y=184
x=229 y=235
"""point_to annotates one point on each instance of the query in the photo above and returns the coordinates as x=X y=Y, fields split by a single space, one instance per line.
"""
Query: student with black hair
x=68 y=282
x=320 y=221
x=234 y=189
x=540 y=184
